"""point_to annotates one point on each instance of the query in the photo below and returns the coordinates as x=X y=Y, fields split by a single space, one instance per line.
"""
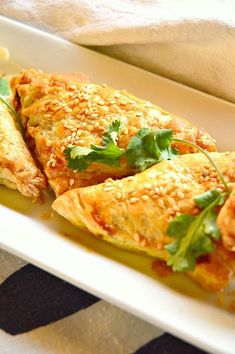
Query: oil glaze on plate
x=29 y=230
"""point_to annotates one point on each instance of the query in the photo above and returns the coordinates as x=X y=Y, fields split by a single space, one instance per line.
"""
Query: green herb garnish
x=194 y=235
x=145 y=149
x=5 y=91
x=149 y=147
x=80 y=158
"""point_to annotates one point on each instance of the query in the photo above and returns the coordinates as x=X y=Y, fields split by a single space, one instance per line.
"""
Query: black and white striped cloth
x=41 y=314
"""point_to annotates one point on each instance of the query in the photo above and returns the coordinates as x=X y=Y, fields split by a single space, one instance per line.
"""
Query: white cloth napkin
x=192 y=42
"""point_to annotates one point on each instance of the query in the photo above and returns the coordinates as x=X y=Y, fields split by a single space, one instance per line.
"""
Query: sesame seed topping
x=118 y=195
x=125 y=131
x=157 y=190
x=71 y=182
x=108 y=184
x=134 y=200
x=106 y=189
x=180 y=194
x=136 y=237
x=145 y=197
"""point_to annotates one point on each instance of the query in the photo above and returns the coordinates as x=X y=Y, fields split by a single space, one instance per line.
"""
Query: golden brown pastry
x=226 y=222
x=57 y=111
x=133 y=213
x=17 y=167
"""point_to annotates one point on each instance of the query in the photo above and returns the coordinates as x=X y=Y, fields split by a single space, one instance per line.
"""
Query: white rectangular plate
x=175 y=304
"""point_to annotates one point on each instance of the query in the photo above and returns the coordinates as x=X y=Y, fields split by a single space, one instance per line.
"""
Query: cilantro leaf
x=4 y=87
x=80 y=158
x=5 y=91
x=149 y=147
x=111 y=133
x=194 y=235
x=207 y=198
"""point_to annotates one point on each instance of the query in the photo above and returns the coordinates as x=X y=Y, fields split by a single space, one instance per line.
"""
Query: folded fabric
x=192 y=42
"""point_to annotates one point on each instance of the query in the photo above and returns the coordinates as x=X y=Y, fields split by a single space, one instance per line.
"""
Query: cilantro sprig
x=5 y=91
x=194 y=235
x=149 y=147
x=80 y=158
x=145 y=149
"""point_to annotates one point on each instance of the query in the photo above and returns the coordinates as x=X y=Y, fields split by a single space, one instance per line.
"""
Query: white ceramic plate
x=175 y=304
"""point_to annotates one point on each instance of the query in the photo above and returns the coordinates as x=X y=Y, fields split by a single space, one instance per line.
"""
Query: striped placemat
x=41 y=314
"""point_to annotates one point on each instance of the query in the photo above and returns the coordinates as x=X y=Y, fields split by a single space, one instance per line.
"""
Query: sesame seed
x=116 y=95
x=125 y=131
x=161 y=203
x=131 y=179
x=156 y=189
x=134 y=200
x=147 y=186
x=170 y=201
x=139 y=114
x=144 y=197
x=71 y=182
x=123 y=103
x=104 y=85
x=106 y=189
x=118 y=195
x=180 y=194
x=136 y=237
x=108 y=184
